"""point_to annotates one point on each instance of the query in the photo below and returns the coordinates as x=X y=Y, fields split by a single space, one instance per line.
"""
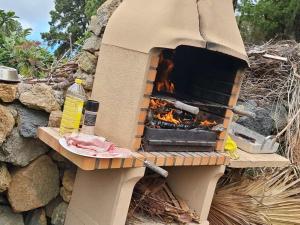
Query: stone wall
x=36 y=183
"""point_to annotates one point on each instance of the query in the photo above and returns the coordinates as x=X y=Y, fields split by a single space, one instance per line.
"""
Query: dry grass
x=273 y=82
x=270 y=198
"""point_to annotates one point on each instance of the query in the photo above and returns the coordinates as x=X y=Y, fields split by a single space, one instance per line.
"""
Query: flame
x=207 y=123
x=166 y=85
x=156 y=103
x=168 y=117
x=164 y=71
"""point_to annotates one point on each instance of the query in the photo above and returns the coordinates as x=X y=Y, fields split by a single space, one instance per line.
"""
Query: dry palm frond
x=268 y=199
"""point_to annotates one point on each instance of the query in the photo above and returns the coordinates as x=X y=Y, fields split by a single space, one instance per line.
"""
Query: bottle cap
x=78 y=81
x=92 y=105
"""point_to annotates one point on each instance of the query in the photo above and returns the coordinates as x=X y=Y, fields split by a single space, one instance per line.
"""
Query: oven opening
x=190 y=97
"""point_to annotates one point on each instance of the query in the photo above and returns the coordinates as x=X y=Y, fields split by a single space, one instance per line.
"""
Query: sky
x=32 y=14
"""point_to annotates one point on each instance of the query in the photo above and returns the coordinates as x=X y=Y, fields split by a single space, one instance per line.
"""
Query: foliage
x=92 y=6
x=16 y=51
x=68 y=23
x=260 y=20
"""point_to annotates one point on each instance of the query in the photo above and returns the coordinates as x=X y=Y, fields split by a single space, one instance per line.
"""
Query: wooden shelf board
x=50 y=136
x=248 y=160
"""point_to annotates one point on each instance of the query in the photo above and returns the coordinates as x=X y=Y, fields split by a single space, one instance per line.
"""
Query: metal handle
x=156 y=169
x=243 y=112
x=271 y=137
x=189 y=108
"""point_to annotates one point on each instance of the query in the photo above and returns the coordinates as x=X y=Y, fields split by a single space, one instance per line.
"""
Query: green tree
x=260 y=20
x=92 y=6
x=16 y=51
x=8 y=22
x=68 y=24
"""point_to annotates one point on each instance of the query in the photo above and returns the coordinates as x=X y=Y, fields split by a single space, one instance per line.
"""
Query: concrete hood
x=142 y=25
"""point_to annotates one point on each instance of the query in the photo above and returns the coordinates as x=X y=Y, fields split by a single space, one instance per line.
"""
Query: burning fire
x=207 y=123
x=168 y=117
x=166 y=85
x=156 y=103
x=164 y=71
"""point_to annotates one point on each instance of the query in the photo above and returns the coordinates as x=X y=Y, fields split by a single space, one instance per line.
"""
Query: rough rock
x=59 y=214
x=7 y=123
x=65 y=194
x=7 y=217
x=41 y=97
x=69 y=179
x=5 y=178
x=36 y=217
x=55 y=119
x=280 y=115
x=59 y=96
x=21 y=151
x=3 y=199
x=29 y=120
x=34 y=186
x=98 y=23
x=92 y=44
x=23 y=87
x=262 y=123
x=87 y=62
x=88 y=79
x=8 y=92
x=52 y=205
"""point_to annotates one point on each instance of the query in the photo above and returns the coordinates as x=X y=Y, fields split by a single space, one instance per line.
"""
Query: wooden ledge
x=248 y=160
x=50 y=136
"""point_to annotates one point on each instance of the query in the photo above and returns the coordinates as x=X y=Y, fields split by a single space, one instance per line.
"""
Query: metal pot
x=9 y=74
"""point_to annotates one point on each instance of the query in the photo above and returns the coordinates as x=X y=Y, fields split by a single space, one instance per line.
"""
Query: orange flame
x=156 y=103
x=168 y=117
x=207 y=123
x=164 y=71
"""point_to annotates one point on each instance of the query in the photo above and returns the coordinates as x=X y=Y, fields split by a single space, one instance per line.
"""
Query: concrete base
x=196 y=185
x=102 y=197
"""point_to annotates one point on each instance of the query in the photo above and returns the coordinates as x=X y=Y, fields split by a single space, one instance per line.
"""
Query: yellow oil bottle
x=73 y=106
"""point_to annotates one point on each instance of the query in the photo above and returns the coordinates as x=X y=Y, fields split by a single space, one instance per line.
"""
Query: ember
x=156 y=103
x=163 y=114
x=207 y=123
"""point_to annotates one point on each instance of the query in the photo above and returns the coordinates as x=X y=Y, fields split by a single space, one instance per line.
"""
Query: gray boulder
x=5 y=177
x=279 y=114
x=34 y=186
x=21 y=151
x=88 y=79
x=29 y=120
x=52 y=205
x=36 y=217
x=263 y=123
x=7 y=123
x=59 y=214
x=92 y=44
x=98 y=23
x=39 y=96
x=87 y=62
x=7 y=217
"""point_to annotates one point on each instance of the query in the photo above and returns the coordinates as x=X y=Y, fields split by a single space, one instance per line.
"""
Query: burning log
x=163 y=114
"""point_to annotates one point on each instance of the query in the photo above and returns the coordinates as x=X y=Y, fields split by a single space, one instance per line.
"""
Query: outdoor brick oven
x=203 y=42
x=180 y=50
